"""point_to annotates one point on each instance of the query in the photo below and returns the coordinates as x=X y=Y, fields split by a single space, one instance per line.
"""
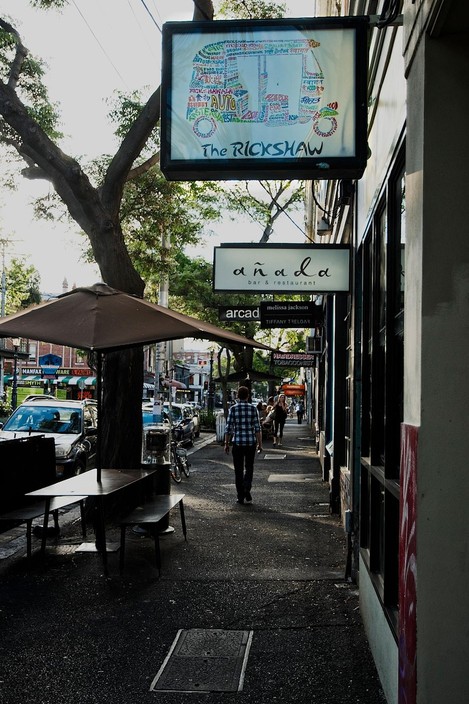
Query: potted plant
x=5 y=411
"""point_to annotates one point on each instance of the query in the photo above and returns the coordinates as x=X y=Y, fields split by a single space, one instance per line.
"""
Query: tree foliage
x=22 y=286
x=264 y=201
x=250 y=9
x=28 y=132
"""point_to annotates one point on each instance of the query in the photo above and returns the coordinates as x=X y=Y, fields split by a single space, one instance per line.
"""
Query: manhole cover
x=203 y=660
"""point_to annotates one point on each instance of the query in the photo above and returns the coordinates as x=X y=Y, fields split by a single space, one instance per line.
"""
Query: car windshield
x=175 y=413
x=45 y=419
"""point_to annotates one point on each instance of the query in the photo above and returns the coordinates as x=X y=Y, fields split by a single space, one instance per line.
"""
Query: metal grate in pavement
x=204 y=660
x=270 y=456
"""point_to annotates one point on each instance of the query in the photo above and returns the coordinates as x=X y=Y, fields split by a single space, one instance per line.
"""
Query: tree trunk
x=121 y=426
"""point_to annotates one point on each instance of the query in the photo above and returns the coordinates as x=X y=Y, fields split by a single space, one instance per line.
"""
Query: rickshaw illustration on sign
x=217 y=94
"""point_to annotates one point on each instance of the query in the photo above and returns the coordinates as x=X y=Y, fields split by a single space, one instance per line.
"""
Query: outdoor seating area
x=29 y=464
x=151 y=514
x=87 y=485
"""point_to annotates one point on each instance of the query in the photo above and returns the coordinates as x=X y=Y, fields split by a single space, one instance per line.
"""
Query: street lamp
x=210 y=385
x=14 y=389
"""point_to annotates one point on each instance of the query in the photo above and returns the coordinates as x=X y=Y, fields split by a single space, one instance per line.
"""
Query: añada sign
x=245 y=99
x=281 y=268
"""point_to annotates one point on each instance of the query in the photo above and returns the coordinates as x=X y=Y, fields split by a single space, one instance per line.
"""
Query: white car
x=72 y=424
x=194 y=411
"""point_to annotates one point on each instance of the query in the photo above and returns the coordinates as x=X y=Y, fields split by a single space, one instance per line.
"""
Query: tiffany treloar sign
x=264 y=99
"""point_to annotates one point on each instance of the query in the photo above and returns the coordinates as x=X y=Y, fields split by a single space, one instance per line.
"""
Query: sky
x=93 y=48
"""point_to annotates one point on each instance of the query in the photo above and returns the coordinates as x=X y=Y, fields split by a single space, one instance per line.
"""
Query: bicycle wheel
x=175 y=467
x=186 y=467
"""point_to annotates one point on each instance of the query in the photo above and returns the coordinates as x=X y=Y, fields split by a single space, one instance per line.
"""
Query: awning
x=174 y=384
x=90 y=381
x=30 y=377
x=73 y=381
x=64 y=379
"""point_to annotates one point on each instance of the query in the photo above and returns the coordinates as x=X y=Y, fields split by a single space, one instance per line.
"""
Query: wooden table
x=86 y=484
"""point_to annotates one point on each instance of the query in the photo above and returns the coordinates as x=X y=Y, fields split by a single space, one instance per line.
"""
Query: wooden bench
x=149 y=515
x=35 y=509
x=28 y=464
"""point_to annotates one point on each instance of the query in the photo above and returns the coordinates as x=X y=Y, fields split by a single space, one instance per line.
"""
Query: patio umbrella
x=92 y=318
x=174 y=384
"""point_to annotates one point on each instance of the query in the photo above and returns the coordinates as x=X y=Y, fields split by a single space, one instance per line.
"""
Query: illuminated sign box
x=281 y=268
x=264 y=99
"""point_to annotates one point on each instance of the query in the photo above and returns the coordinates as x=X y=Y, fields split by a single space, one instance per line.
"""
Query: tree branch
x=20 y=54
x=130 y=148
x=143 y=168
x=137 y=136
x=35 y=147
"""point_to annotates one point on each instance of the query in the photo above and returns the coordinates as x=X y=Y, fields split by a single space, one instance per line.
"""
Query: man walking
x=244 y=428
x=300 y=409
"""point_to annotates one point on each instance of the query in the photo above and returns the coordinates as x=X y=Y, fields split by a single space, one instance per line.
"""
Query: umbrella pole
x=99 y=408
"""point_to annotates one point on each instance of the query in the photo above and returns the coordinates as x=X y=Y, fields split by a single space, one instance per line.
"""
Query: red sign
x=293 y=389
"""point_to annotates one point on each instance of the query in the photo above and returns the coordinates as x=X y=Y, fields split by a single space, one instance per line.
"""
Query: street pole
x=2 y=314
x=14 y=388
x=210 y=385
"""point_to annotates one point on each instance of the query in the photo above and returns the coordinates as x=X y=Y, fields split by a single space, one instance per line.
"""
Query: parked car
x=195 y=418
x=72 y=424
x=182 y=422
x=38 y=397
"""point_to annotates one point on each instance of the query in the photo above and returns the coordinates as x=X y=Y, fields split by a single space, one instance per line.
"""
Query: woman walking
x=281 y=413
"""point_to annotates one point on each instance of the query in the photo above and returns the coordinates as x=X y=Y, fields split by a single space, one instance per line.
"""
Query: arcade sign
x=264 y=99
x=231 y=314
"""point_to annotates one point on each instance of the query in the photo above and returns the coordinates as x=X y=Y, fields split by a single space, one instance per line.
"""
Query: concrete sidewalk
x=254 y=601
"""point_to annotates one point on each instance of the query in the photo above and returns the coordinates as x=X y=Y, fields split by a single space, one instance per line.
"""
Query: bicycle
x=179 y=463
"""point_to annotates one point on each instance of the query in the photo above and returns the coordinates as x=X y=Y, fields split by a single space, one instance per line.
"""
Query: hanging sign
x=282 y=268
x=232 y=314
x=290 y=314
x=264 y=99
x=292 y=359
x=49 y=364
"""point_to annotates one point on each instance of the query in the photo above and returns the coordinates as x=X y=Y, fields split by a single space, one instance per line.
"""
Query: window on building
x=382 y=257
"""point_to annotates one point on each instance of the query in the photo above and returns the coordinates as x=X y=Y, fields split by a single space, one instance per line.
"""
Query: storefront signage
x=289 y=314
x=49 y=364
x=264 y=99
x=231 y=314
x=282 y=268
x=293 y=389
x=293 y=359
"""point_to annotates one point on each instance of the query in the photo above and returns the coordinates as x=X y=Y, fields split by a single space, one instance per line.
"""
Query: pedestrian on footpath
x=243 y=428
x=300 y=409
x=281 y=413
